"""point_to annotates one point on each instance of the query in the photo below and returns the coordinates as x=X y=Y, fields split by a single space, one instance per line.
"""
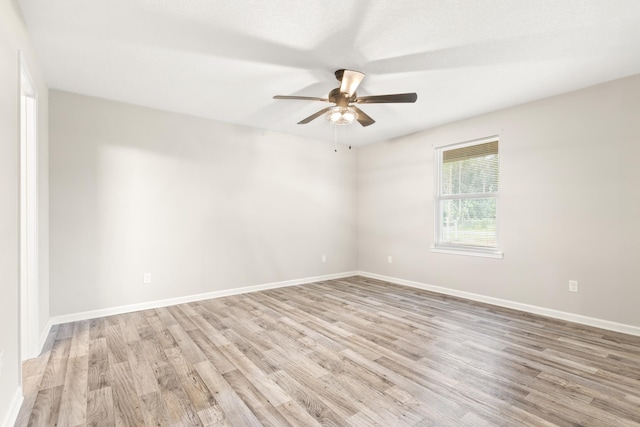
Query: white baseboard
x=189 y=298
x=14 y=409
x=562 y=315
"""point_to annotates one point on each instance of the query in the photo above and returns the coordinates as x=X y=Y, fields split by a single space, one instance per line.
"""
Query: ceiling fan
x=344 y=112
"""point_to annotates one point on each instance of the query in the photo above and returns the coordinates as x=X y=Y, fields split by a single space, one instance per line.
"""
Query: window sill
x=458 y=251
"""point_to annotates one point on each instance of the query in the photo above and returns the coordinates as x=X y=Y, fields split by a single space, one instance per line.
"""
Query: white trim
x=498 y=254
x=556 y=314
x=85 y=315
x=14 y=409
x=29 y=224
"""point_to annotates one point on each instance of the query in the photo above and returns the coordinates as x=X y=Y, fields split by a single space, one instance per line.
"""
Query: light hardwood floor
x=354 y=351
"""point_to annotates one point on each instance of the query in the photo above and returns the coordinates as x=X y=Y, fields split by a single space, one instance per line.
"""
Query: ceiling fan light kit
x=341 y=115
x=344 y=113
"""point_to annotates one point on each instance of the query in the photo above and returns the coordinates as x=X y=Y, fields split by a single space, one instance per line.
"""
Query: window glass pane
x=469 y=222
x=469 y=174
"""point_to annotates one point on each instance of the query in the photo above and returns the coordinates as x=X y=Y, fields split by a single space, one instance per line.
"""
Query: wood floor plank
x=188 y=348
x=293 y=362
x=180 y=410
x=80 y=339
x=116 y=347
x=73 y=409
x=98 y=375
x=126 y=403
x=199 y=396
x=154 y=410
x=182 y=319
x=142 y=374
x=65 y=330
x=212 y=332
x=97 y=328
x=260 y=405
x=55 y=370
x=250 y=350
x=321 y=411
x=214 y=416
x=255 y=375
x=234 y=408
x=211 y=351
x=347 y=352
x=45 y=410
x=153 y=352
x=296 y=415
x=100 y=408
x=127 y=323
x=26 y=413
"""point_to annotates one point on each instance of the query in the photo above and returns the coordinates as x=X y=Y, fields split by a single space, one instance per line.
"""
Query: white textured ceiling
x=225 y=59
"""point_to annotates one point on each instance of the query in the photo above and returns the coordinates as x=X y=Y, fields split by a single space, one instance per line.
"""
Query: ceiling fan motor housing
x=341 y=99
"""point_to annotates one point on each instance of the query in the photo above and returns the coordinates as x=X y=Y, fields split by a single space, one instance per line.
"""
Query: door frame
x=29 y=245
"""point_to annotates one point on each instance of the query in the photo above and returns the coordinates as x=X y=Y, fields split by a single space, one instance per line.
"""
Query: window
x=467 y=198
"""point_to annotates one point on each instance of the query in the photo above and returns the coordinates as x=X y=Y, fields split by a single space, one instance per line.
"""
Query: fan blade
x=385 y=99
x=302 y=98
x=363 y=118
x=350 y=81
x=314 y=116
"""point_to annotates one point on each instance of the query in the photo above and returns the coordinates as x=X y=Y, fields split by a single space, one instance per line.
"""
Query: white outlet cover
x=573 y=285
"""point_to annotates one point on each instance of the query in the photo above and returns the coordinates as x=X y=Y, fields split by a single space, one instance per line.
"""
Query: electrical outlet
x=147 y=278
x=573 y=286
x=324 y=258
x=390 y=259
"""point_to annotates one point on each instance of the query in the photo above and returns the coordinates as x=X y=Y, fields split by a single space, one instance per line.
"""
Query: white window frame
x=448 y=248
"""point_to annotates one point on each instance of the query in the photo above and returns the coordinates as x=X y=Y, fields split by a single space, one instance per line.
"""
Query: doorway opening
x=28 y=216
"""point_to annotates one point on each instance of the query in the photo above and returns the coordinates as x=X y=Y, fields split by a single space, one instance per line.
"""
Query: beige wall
x=13 y=37
x=202 y=205
x=569 y=205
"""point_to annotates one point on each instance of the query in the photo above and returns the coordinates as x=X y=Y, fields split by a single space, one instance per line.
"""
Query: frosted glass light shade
x=341 y=115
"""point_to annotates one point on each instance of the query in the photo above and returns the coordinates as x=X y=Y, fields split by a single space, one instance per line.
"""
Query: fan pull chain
x=335 y=139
